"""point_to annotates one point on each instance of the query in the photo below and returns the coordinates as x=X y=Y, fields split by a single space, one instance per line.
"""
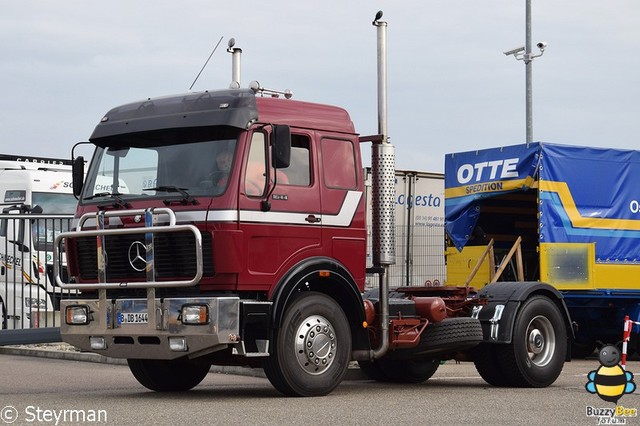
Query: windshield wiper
x=186 y=197
x=99 y=194
x=117 y=200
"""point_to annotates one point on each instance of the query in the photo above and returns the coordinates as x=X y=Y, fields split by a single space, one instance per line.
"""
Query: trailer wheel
x=535 y=356
x=168 y=376
x=487 y=364
x=312 y=347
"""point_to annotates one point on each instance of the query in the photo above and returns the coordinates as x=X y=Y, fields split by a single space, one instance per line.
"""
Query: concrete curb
x=353 y=372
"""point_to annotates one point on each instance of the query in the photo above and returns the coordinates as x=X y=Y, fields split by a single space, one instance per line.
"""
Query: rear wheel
x=312 y=347
x=486 y=361
x=373 y=370
x=535 y=356
x=401 y=370
x=168 y=376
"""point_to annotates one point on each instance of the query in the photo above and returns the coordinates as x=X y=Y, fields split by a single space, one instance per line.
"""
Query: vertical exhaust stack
x=383 y=166
x=383 y=192
x=236 y=54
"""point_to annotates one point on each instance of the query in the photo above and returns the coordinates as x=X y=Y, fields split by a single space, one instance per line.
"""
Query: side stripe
x=343 y=218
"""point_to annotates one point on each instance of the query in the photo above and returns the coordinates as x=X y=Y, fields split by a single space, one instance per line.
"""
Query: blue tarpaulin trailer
x=577 y=211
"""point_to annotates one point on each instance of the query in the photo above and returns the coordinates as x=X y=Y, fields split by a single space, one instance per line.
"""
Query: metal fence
x=29 y=298
x=419 y=257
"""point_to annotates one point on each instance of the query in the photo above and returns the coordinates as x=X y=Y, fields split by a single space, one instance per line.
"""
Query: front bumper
x=114 y=321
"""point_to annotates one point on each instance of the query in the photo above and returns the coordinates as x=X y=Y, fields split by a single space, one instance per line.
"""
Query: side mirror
x=77 y=172
x=280 y=146
x=37 y=209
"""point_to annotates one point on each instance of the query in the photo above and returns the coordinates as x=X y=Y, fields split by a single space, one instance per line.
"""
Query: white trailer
x=419 y=228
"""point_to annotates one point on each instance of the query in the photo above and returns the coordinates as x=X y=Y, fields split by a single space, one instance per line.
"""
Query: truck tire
x=400 y=370
x=373 y=370
x=537 y=351
x=485 y=359
x=312 y=347
x=168 y=376
x=449 y=335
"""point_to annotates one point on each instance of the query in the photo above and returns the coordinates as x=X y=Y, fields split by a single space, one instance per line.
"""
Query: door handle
x=312 y=219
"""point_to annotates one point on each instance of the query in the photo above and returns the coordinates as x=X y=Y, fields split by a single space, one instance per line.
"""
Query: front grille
x=174 y=254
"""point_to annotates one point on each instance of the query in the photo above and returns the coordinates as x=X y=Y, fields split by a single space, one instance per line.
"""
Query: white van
x=36 y=203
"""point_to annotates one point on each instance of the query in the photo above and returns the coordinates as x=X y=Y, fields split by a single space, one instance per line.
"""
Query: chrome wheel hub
x=315 y=344
x=541 y=341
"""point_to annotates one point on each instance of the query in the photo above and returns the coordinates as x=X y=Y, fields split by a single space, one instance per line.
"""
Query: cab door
x=342 y=193
x=279 y=210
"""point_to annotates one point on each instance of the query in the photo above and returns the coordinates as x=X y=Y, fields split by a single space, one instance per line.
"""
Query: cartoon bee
x=610 y=381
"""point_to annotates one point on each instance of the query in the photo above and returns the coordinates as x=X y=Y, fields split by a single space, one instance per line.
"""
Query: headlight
x=77 y=315
x=194 y=314
x=35 y=303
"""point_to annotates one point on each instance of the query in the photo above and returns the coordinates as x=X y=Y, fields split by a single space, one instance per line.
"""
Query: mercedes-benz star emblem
x=137 y=252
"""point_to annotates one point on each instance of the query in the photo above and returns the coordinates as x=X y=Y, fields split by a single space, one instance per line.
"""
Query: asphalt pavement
x=68 y=352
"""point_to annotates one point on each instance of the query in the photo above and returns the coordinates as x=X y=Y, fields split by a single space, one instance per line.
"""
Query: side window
x=338 y=164
x=299 y=171
x=255 y=179
x=14 y=199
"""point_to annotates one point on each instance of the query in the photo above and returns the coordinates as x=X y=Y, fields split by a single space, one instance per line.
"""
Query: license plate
x=134 y=318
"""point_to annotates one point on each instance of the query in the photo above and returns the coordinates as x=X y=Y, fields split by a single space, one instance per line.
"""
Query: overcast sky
x=63 y=64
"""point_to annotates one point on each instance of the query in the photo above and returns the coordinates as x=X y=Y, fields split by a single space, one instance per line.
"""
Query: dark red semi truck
x=184 y=261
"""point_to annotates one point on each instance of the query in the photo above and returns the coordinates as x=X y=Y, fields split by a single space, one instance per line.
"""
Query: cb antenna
x=207 y=61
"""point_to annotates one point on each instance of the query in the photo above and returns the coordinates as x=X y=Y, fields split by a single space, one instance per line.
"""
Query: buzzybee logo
x=610 y=381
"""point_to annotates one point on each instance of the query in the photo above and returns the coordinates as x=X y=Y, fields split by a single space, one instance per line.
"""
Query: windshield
x=44 y=230
x=178 y=170
x=52 y=203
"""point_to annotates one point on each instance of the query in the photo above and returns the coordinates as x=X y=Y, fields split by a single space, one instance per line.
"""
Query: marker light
x=195 y=314
x=77 y=315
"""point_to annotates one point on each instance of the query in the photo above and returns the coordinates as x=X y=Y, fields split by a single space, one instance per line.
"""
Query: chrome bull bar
x=151 y=218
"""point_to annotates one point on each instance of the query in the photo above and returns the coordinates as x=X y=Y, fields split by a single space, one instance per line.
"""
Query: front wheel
x=536 y=354
x=168 y=376
x=312 y=347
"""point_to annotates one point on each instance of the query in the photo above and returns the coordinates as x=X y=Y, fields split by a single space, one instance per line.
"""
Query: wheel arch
x=511 y=296
x=336 y=282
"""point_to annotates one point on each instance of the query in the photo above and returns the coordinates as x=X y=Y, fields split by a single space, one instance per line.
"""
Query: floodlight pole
x=528 y=70
x=523 y=53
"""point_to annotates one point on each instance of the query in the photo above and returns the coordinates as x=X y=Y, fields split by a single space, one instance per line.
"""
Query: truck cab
x=283 y=210
x=311 y=204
